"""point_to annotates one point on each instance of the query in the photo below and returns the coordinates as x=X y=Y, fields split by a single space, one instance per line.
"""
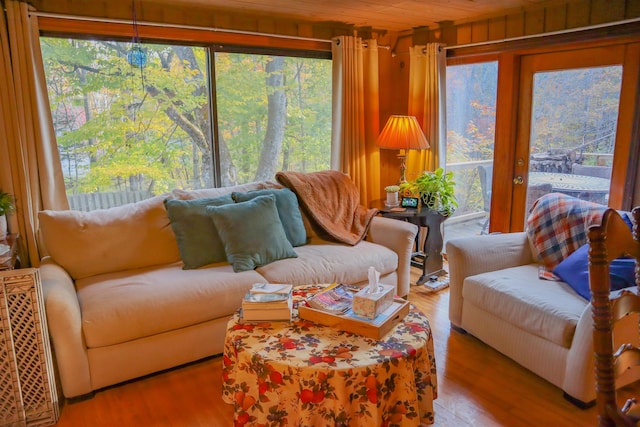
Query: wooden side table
x=9 y=259
x=432 y=263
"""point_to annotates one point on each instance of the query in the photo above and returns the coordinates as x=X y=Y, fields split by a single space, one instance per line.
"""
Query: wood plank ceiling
x=390 y=15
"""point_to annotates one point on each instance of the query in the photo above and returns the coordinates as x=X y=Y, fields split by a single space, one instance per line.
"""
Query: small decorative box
x=369 y=305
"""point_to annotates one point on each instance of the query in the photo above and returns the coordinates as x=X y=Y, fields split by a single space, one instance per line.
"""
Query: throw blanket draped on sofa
x=332 y=203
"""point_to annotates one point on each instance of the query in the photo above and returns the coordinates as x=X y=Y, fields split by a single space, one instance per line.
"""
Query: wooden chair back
x=608 y=241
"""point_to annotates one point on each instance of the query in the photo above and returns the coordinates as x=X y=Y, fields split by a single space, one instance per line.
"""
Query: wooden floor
x=477 y=386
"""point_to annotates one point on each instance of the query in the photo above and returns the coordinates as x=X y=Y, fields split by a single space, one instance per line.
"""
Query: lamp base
x=403 y=166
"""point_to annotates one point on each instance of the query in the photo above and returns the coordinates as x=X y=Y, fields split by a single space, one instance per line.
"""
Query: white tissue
x=374 y=277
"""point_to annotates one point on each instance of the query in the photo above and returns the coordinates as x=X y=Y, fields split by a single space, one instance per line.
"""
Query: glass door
x=471 y=122
x=568 y=127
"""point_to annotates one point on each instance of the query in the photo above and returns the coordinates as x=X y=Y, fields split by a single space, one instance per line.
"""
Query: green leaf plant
x=6 y=203
x=436 y=191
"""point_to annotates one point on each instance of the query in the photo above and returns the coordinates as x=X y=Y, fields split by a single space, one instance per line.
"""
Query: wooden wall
x=548 y=18
x=551 y=16
x=194 y=16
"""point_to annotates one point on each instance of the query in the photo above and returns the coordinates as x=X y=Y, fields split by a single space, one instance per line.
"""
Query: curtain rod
x=552 y=33
x=167 y=25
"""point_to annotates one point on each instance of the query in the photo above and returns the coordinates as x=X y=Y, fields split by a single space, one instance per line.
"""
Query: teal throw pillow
x=198 y=241
x=288 y=211
x=252 y=233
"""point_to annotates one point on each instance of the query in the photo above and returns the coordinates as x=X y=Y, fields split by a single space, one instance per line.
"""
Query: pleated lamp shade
x=402 y=133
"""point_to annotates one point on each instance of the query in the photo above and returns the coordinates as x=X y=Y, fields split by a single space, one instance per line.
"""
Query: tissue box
x=369 y=305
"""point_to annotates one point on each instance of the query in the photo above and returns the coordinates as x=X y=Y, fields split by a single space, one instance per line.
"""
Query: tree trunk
x=276 y=120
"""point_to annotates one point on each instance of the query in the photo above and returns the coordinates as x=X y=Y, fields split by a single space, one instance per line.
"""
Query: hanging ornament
x=137 y=57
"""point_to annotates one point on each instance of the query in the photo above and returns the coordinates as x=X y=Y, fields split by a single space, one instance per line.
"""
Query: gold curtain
x=356 y=121
x=31 y=169
x=427 y=74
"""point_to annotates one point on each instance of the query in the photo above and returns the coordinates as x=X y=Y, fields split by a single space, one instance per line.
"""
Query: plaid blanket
x=558 y=225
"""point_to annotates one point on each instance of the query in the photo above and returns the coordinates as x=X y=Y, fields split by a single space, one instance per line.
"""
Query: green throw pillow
x=252 y=233
x=198 y=241
x=288 y=211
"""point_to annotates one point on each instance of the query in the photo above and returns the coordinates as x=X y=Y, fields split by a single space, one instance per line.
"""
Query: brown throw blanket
x=332 y=202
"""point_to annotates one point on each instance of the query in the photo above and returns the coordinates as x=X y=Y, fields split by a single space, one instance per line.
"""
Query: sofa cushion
x=547 y=309
x=574 y=270
x=251 y=232
x=288 y=211
x=123 y=306
x=323 y=261
x=101 y=241
x=197 y=238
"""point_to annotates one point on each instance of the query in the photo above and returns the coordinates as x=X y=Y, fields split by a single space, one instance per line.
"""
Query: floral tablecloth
x=304 y=374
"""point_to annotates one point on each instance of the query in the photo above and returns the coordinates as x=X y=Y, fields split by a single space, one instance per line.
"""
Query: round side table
x=302 y=373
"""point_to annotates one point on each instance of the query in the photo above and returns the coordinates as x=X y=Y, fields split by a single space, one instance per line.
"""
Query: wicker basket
x=27 y=387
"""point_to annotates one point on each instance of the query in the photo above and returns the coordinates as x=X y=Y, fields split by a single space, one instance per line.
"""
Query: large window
x=134 y=120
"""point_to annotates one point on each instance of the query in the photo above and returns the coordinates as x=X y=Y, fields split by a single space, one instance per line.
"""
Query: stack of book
x=267 y=302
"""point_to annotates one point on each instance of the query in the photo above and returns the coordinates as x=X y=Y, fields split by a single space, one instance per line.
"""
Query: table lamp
x=402 y=133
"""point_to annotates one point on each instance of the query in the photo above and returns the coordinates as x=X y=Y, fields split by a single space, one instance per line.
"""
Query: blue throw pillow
x=288 y=211
x=574 y=270
x=198 y=240
x=252 y=233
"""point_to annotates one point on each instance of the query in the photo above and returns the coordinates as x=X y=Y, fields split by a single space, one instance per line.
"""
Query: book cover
x=251 y=298
x=271 y=288
x=267 y=301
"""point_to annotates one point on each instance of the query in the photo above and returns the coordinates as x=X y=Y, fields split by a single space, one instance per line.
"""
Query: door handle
x=518 y=180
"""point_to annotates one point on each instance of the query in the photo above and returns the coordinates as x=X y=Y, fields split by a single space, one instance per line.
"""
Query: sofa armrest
x=399 y=236
x=468 y=256
x=64 y=320
x=580 y=382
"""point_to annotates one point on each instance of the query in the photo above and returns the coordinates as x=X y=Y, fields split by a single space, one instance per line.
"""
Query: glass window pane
x=573 y=130
x=471 y=116
x=131 y=120
x=273 y=113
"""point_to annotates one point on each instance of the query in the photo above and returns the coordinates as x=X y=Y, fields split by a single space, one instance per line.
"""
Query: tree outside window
x=141 y=127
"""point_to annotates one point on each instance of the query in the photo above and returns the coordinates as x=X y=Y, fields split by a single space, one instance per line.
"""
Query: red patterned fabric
x=558 y=225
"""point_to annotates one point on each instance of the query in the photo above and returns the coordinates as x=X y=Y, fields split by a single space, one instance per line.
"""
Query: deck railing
x=92 y=201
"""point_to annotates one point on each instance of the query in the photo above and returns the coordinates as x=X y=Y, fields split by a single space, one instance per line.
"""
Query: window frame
x=213 y=41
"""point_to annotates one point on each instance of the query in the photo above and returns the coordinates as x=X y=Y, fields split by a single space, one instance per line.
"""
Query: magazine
x=271 y=288
x=334 y=299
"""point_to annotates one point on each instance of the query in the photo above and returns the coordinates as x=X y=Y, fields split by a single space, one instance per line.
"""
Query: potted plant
x=6 y=206
x=435 y=189
x=392 y=195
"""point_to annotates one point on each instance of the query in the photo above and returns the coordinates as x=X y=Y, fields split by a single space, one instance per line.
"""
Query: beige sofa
x=120 y=305
x=543 y=325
